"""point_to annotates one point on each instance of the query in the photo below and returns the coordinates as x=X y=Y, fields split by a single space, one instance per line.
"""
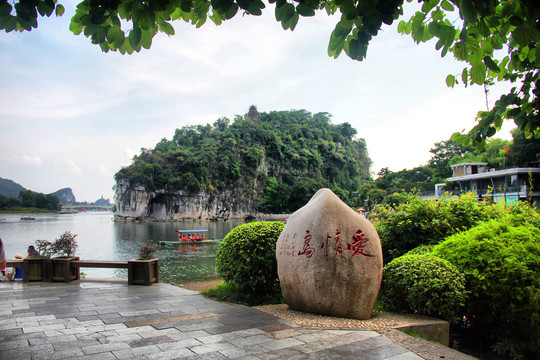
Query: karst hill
x=259 y=163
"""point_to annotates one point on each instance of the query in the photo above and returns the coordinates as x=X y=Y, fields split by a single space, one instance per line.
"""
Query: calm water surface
x=100 y=238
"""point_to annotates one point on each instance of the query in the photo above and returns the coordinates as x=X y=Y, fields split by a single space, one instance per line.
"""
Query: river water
x=99 y=238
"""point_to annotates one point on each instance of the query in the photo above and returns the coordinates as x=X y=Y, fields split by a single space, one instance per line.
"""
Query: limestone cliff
x=135 y=203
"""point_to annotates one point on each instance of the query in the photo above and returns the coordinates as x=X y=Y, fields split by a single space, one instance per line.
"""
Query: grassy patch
x=235 y=294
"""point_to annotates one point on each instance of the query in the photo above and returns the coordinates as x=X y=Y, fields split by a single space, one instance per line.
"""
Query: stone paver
x=110 y=320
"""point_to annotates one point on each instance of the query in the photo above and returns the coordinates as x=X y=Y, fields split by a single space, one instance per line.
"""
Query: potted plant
x=144 y=270
x=64 y=248
x=36 y=265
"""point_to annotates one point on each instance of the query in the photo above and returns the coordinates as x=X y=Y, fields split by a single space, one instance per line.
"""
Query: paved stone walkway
x=87 y=320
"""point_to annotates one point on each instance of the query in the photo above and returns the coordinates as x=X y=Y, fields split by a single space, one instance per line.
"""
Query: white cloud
x=31 y=160
x=104 y=171
x=82 y=110
x=73 y=168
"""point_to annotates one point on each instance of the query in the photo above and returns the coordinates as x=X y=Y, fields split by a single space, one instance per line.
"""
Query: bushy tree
x=64 y=246
x=32 y=199
x=443 y=152
x=523 y=151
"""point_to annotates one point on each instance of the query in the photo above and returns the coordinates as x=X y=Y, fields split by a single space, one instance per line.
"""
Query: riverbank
x=26 y=211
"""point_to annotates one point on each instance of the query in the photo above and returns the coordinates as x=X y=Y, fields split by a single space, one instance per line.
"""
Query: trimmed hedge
x=423 y=222
x=423 y=284
x=501 y=263
x=247 y=256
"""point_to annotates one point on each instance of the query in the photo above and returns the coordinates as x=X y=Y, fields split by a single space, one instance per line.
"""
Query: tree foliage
x=496 y=39
x=30 y=199
x=497 y=153
x=282 y=157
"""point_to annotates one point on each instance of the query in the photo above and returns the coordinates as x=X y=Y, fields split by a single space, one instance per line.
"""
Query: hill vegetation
x=10 y=188
x=15 y=198
x=281 y=157
x=29 y=201
x=522 y=152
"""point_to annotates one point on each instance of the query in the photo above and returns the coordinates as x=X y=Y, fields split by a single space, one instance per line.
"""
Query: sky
x=72 y=116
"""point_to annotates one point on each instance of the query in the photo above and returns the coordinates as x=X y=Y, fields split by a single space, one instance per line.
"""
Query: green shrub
x=423 y=284
x=44 y=248
x=147 y=251
x=247 y=256
x=422 y=222
x=501 y=263
x=421 y=250
x=64 y=246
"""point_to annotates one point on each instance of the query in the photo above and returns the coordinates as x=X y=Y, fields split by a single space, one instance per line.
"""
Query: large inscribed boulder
x=329 y=259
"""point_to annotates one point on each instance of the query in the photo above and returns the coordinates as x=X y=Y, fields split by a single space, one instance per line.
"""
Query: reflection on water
x=99 y=238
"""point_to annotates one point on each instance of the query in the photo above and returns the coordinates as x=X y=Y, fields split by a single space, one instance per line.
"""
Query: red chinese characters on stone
x=324 y=245
x=337 y=244
x=331 y=244
x=358 y=245
x=339 y=249
x=307 y=250
x=286 y=247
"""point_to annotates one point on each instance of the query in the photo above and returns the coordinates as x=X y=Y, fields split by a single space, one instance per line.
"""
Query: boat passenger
x=202 y=236
x=197 y=238
x=32 y=251
x=186 y=238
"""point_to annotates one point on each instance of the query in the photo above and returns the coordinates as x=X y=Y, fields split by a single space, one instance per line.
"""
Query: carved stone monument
x=329 y=259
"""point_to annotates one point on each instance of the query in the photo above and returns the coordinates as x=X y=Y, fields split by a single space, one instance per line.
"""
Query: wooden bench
x=139 y=272
x=14 y=263
x=99 y=264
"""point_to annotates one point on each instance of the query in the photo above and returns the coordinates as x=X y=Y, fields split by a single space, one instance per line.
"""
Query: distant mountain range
x=66 y=196
x=10 y=188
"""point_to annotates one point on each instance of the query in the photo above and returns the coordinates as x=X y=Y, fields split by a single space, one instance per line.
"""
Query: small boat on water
x=27 y=218
x=187 y=237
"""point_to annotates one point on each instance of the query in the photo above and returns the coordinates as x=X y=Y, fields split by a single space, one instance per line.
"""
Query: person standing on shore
x=2 y=256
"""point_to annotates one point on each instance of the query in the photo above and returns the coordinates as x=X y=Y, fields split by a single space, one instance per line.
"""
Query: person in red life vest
x=186 y=238
x=203 y=236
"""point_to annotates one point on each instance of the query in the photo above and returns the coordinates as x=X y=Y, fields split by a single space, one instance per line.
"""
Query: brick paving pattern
x=86 y=320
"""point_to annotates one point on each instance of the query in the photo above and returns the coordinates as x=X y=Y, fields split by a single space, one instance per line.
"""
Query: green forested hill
x=281 y=157
x=10 y=188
